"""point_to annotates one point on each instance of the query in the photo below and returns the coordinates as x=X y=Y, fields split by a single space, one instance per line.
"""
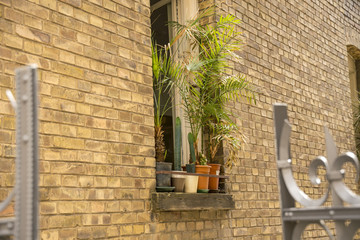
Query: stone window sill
x=170 y=201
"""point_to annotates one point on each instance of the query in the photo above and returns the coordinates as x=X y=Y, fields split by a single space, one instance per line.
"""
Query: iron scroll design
x=294 y=219
x=24 y=225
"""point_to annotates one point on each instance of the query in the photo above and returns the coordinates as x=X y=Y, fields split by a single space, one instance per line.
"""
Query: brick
x=83 y=108
x=81 y=15
x=98 y=100
x=68 y=45
x=65 y=9
x=66 y=194
x=33 y=47
x=67 y=233
x=138 y=229
x=32 y=34
x=5 y=53
x=52 y=180
x=68 y=34
x=69 y=181
x=66 y=21
x=97 y=66
x=82 y=62
x=13 y=15
x=67 y=57
x=122 y=218
x=84 y=233
x=6 y=2
x=65 y=207
x=32 y=8
x=83 y=38
x=97 y=54
x=112 y=231
x=109 y=26
x=69 y=143
x=51 y=53
x=96 y=21
x=64 y=221
x=109 y=5
x=8 y=122
x=75 y=3
x=51 y=28
x=68 y=70
x=49 y=234
x=96 y=10
x=33 y=22
x=13 y=41
x=48 y=4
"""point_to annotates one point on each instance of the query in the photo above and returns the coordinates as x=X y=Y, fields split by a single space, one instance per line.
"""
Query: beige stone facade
x=97 y=165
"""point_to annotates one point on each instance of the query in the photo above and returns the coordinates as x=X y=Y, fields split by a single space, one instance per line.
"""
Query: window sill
x=191 y=201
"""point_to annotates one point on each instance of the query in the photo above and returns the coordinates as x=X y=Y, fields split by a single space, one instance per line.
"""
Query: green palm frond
x=202 y=80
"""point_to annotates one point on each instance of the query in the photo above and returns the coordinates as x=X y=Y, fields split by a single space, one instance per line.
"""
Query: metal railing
x=295 y=220
x=24 y=225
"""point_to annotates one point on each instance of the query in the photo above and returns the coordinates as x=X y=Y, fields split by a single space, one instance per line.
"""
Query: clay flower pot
x=203 y=181
x=214 y=182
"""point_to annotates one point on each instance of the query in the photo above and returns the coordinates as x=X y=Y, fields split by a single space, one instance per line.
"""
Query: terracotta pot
x=214 y=182
x=203 y=181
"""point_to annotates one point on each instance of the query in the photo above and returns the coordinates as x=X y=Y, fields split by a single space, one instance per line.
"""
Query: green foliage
x=205 y=85
x=202 y=159
x=164 y=69
x=192 y=150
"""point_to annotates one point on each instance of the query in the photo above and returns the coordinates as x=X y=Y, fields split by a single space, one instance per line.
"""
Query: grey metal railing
x=24 y=225
x=295 y=220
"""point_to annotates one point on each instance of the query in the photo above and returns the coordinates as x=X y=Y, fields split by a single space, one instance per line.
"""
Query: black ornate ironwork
x=295 y=219
x=25 y=223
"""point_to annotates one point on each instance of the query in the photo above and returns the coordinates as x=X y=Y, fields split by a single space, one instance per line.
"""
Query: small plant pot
x=191 y=184
x=190 y=168
x=163 y=180
x=203 y=181
x=214 y=182
x=178 y=181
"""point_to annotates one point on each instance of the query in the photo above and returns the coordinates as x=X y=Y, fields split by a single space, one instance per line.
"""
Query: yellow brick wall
x=295 y=53
x=96 y=108
x=96 y=125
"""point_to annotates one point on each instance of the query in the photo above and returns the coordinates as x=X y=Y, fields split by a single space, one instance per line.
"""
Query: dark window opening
x=161 y=36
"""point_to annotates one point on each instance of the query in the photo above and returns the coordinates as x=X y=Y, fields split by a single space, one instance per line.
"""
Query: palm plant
x=205 y=86
x=164 y=69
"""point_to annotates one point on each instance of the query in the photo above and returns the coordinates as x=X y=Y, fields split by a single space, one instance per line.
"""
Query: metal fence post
x=296 y=219
x=26 y=190
x=24 y=226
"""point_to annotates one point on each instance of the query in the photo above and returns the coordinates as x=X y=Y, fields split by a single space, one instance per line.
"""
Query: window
x=163 y=11
x=354 y=74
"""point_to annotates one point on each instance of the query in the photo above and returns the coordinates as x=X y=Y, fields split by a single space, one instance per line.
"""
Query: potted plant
x=206 y=87
x=160 y=84
x=203 y=168
x=178 y=180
